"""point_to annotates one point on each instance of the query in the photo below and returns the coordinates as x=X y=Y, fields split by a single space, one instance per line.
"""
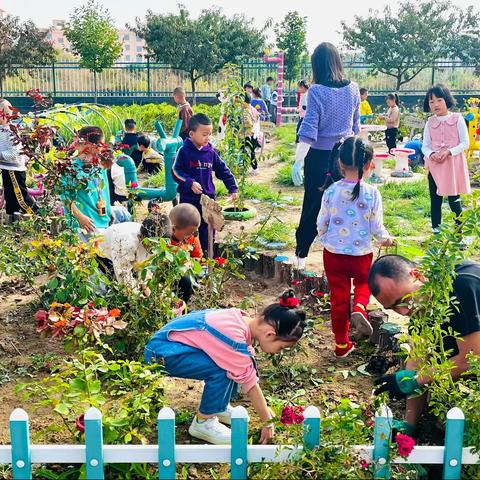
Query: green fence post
x=311 y=427
x=20 y=440
x=94 y=444
x=148 y=76
x=381 y=442
x=54 y=80
x=452 y=455
x=238 y=454
x=166 y=443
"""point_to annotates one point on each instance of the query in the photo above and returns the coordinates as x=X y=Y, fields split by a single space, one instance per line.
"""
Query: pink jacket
x=230 y=322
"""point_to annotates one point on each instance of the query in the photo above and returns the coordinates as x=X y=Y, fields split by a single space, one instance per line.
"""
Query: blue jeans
x=218 y=387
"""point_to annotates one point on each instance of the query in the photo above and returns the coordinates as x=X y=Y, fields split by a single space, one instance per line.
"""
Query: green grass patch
x=284 y=175
x=261 y=192
x=406 y=208
x=276 y=231
x=156 y=180
x=285 y=133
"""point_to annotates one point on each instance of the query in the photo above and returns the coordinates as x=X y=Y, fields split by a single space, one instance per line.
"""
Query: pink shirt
x=230 y=322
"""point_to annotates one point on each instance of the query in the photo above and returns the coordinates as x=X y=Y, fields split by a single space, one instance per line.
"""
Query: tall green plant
x=93 y=37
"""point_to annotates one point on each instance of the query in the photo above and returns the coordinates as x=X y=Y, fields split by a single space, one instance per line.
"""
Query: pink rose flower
x=405 y=444
x=292 y=414
x=80 y=423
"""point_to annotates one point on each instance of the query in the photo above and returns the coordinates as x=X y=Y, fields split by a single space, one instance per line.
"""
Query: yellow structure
x=473 y=118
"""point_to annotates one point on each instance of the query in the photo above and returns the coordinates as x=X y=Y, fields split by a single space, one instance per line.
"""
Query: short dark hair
x=391 y=266
x=304 y=84
x=91 y=134
x=326 y=64
x=440 y=91
x=156 y=225
x=248 y=84
x=289 y=323
x=198 y=119
x=257 y=92
x=130 y=123
x=143 y=140
x=179 y=90
x=270 y=79
x=185 y=215
x=363 y=90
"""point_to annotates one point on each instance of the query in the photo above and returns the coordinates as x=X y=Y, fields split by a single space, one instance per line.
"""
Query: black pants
x=391 y=138
x=315 y=171
x=436 y=203
x=298 y=128
x=152 y=168
x=19 y=200
x=251 y=143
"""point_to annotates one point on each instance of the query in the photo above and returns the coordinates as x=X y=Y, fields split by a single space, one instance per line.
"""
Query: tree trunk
x=1 y=86
x=95 y=87
x=399 y=83
x=192 y=81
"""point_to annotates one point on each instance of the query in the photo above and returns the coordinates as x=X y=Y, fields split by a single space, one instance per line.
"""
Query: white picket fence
x=22 y=455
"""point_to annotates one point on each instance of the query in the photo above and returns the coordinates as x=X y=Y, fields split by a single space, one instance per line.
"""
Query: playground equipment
x=279 y=60
x=378 y=159
x=473 y=119
x=402 y=168
x=365 y=130
x=168 y=147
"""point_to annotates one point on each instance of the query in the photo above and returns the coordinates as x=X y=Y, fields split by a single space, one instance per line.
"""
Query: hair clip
x=329 y=174
x=289 y=302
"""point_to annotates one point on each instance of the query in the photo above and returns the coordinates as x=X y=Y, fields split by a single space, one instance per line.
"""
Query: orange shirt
x=192 y=244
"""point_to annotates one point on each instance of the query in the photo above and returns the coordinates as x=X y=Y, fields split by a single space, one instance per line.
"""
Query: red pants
x=340 y=271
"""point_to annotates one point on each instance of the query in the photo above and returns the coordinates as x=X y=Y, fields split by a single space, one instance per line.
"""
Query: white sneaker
x=226 y=416
x=299 y=263
x=210 y=430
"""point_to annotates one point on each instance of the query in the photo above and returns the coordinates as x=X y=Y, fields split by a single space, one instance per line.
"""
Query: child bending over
x=351 y=212
x=216 y=346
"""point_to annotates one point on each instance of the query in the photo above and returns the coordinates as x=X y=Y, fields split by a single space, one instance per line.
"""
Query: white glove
x=300 y=154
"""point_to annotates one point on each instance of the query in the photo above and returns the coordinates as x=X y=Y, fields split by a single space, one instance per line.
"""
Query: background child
x=302 y=103
x=130 y=138
x=350 y=214
x=89 y=205
x=267 y=94
x=185 y=111
x=216 y=346
x=392 y=120
x=259 y=104
x=151 y=159
x=13 y=166
x=251 y=130
x=194 y=166
x=445 y=140
x=365 y=108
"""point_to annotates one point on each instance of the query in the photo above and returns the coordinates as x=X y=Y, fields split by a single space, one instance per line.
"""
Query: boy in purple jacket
x=192 y=170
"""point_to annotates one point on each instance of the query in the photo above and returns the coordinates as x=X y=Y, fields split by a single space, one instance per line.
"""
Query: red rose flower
x=133 y=184
x=80 y=423
x=220 y=261
x=41 y=317
x=292 y=414
x=364 y=464
x=318 y=293
x=405 y=444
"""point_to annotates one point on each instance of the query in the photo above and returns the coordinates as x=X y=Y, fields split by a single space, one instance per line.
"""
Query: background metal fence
x=156 y=79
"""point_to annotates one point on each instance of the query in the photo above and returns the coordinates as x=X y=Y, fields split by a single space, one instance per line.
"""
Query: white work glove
x=300 y=154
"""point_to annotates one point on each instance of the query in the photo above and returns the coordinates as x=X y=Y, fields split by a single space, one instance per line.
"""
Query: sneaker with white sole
x=226 y=416
x=210 y=430
x=359 y=319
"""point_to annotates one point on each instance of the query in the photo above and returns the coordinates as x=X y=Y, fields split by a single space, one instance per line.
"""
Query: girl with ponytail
x=350 y=214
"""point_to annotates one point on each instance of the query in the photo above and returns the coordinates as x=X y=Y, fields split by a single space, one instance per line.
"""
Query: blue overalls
x=184 y=361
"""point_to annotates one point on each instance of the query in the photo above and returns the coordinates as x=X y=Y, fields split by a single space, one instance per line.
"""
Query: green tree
x=465 y=38
x=403 y=44
x=22 y=45
x=291 y=39
x=94 y=38
x=201 y=46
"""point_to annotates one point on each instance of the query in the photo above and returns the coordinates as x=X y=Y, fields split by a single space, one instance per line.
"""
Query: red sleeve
x=197 y=251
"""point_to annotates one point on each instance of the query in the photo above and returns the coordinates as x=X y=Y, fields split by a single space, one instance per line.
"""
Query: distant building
x=133 y=47
x=2 y=13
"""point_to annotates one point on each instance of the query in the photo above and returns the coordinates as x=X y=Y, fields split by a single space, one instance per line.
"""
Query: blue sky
x=323 y=17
